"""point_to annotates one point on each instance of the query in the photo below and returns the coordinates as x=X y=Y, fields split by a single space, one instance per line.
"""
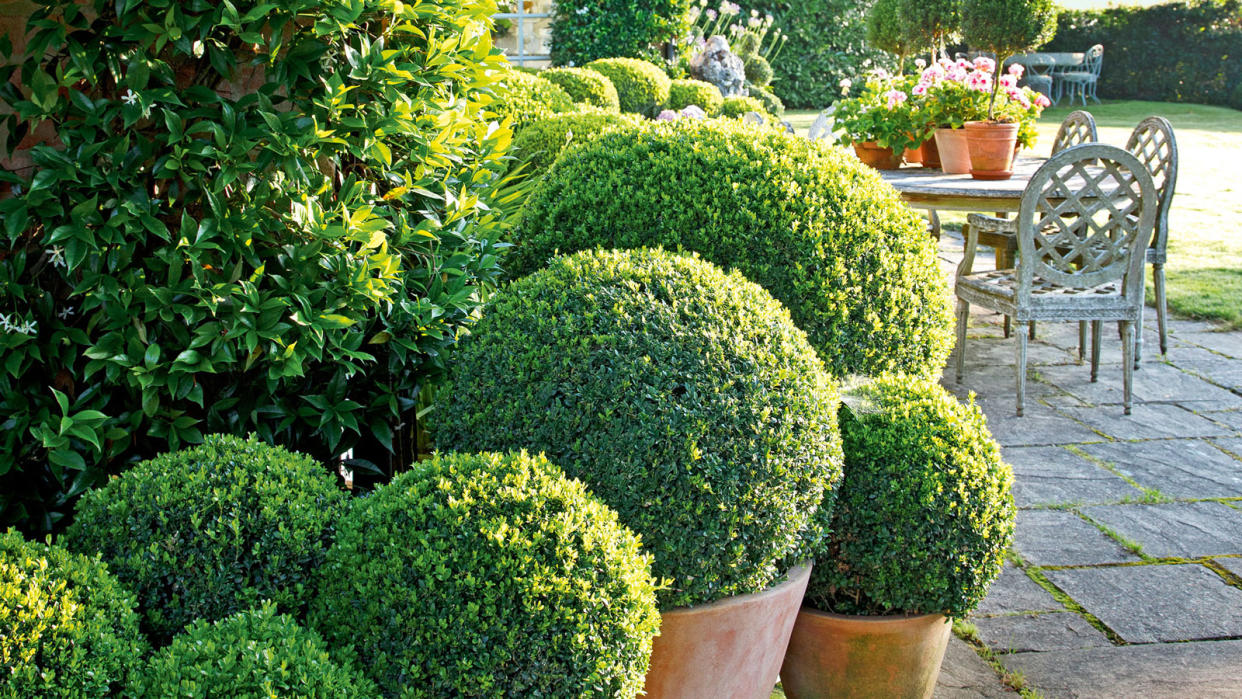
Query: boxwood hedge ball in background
x=684 y=397
x=642 y=88
x=683 y=93
x=67 y=627
x=526 y=97
x=926 y=510
x=490 y=575
x=737 y=106
x=540 y=143
x=808 y=222
x=254 y=653
x=585 y=86
x=212 y=530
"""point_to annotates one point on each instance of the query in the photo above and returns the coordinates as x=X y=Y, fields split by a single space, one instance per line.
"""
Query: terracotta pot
x=954 y=155
x=992 y=147
x=864 y=657
x=913 y=156
x=877 y=157
x=731 y=648
x=930 y=153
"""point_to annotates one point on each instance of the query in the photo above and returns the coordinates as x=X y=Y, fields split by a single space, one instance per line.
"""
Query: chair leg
x=933 y=223
x=1127 y=366
x=1162 y=311
x=963 y=316
x=1095 y=350
x=1082 y=341
x=1008 y=325
x=1021 y=333
x=1032 y=332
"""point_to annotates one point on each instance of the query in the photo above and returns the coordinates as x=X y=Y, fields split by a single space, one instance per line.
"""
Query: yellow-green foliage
x=526 y=98
x=540 y=143
x=641 y=87
x=926 y=510
x=585 y=86
x=737 y=106
x=489 y=575
x=683 y=93
x=67 y=627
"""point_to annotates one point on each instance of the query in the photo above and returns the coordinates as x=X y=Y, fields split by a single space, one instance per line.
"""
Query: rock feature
x=718 y=65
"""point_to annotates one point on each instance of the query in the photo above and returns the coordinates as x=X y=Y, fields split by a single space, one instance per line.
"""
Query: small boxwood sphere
x=254 y=653
x=67 y=627
x=684 y=397
x=527 y=97
x=490 y=575
x=212 y=530
x=758 y=70
x=926 y=510
x=737 y=106
x=641 y=86
x=585 y=86
x=539 y=144
x=771 y=103
x=808 y=222
x=683 y=93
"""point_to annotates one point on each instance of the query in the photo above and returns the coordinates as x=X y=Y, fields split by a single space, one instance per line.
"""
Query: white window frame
x=520 y=19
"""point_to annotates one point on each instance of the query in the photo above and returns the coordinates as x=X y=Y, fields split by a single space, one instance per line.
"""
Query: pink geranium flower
x=1016 y=70
x=980 y=81
x=895 y=97
x=985 y=64
x=1041 y=100
x=1008 y=81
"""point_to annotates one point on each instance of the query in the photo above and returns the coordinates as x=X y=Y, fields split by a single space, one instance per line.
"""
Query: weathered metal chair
x=1085 y=219
x=1084 y=80
x=821 y=127
x=1154 y=144
x=1078 y=128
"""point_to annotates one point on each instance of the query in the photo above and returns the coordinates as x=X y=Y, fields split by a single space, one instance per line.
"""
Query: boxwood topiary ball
x=254 y=653
x=641 y=86
x=926 y=510
x=540 y=143
x=526 y=98
x=758 y=70
x=684 y=397
x=585 y=86
x=67 y=627
x=737 y=106
x=771 y=103
x=490 y=575
x=808 y=222
x=212 y=530
x=683 y=93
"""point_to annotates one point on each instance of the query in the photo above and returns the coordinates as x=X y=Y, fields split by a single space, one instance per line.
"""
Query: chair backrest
x=1094 y=60
x=1085 y=220
x=821 y=127
x=1078 y=128
x=1153 y=143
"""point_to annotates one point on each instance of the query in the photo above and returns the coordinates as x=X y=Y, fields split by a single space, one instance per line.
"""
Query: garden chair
x=1083 y=80
x=1153 y=143
x=821 y=128
x=1085 y=219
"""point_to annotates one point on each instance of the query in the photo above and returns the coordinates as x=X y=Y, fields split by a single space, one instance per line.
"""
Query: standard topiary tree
x=490 y=575
x=926 y=510
x=809 y=223
x=212 y=530
x=887 y=31
x=585 y=86
x=641 y=87
x=67 y=627
x=683 y=93
x=585 y=30
x=928 y=24
x=684 y=397
x=1006 y=28
x=526 y=98
x=254 y=653
x=539 y=144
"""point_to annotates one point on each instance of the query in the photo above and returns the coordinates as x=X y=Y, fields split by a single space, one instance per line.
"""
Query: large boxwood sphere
x=642 y=88
x=683 y=396
x=926 y=510
x=490 y=575
x=706 y=96
x=67 y=627
x=539 y=144
x=806 y=221
x=212 y=530
x=585 y=86
x=527 y=97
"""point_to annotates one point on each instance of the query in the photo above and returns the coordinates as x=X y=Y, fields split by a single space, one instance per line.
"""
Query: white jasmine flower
x=130 y=98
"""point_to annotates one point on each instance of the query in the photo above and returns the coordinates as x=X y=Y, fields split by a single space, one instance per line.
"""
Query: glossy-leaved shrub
x=527 y=97
x=683 y=93
x=489 y=575
x=684 y=397
x=244 y=217
x=584 y=30
x=254 y=653
x=642 y=88
x=925 y=512
x=67 y=627
x=585 y=86
x=539 y=144
x=211 y=530
x=737 y=106
x=808 y=222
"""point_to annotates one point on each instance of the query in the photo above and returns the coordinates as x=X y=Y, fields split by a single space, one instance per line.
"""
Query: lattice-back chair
x=1085 y=79
x=1077 y=129
x=1153 y=143
x=1085 y=220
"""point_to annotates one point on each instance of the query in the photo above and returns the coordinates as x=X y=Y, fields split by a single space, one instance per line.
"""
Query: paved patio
x=1125 y=577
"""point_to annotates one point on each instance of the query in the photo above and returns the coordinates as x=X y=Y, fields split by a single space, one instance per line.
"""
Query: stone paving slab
x=1076 y=381
x=1014 y=591
x=1233 y=565
x=1061 y=538
x=1229 y=418
x=1233 y=445
x=1167 y=671
x=1183 y=468
x=1024 y=633
x=1223 y=372
x=1227 y=343
x=1180 y=529
x=1004 y=354
x=1055 y=475
x=1040 y=426
x=964 y=675
x=1147 y=421
x=1167 y=383
x=1150 y=603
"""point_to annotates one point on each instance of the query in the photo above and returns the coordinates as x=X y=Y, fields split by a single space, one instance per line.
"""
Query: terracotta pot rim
x=878 y=620
x=991 y=125
x=792 y=577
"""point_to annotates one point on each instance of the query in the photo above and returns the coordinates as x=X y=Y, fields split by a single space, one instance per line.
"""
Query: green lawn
x=1205 y=225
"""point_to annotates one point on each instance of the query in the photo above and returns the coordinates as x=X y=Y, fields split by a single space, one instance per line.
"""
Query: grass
x=1205 y=225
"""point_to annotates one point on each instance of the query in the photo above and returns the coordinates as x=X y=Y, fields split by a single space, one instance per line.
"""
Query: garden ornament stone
x=718 y=65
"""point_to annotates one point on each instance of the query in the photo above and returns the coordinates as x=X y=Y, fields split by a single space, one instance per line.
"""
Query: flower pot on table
x=992 y=148
x=954 y=154
x=930 y=154
x=876 y=156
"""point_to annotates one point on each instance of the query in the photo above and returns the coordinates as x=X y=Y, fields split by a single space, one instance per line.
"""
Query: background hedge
x=584 y=30
x=1174 y=52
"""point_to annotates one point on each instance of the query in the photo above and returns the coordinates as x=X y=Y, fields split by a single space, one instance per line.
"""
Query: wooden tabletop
x=932 y=189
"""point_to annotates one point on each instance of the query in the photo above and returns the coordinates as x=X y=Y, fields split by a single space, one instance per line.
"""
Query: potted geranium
x=882 y=122
x=923 y=518
x=1004 y=28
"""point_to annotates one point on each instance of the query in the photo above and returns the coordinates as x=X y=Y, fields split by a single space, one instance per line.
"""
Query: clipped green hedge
x=737 y=106
x=1171 y=52
x=542 y=142
x=527 y=98
x=809 y=223
x=254 y=653
x=926 y=510
x=641 y=87
x=585 y=86
x=490 y=575
x=212 y=530
x=683 y=93
x=67 y=627
x=684 y=397
x=585 y=30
